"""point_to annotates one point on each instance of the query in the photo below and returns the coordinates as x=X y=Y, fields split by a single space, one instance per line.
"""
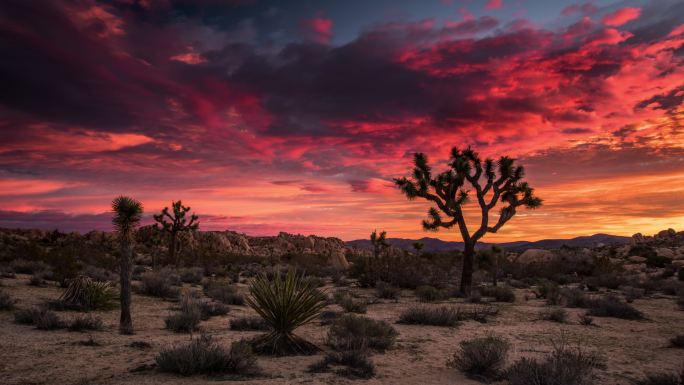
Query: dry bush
x=555 y=315
x=433 y=316
x=205 y=356
x=610 y=306
x=159 y=284
x=479 y=313
x=354 y=364
x=352 y=332
x=349 y=304
x=427 y=293
x=499 y=293
x=225 y=293
x=249 y=323
x=85 y=322
x=663 y=379
x=482 y=359
x=677 y=341
x=387 y=291
x=188 y=318
x=6 y=302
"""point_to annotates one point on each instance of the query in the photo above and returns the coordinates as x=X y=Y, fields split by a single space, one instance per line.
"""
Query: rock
x=665 y=252
x=634 y=267
x=535 y=255
x=669 y=233
x=638 y=238
x=678 y=263
x=636 y=259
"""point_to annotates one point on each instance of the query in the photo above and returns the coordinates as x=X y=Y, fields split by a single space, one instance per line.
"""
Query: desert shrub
x=349 y=304
x=25 y=316
x=41 y=317
x=680 y=299
x=609 y=281
x=632 y=293
x=329 y=316
x=680 y=273
x=140 y=345
x=285 y=303
x=188 y=318
x=652 y=258
x=482 y=359
x=83 y=292
x=356 y=364
x=662 y=379
x=555 y=315
x=474 y=297
x=550 y=291
x=204 y=356
x=99 y=274
x=586 y=320
x=37 y=279
x=677 y=341
x=24 y=266
x=610 y=306
x=427 y=293
x=225 y=293
x=85 y=322
x=433 y=316
x=191 y=275
x=159 y=284
x=499 y=293
x=387 y=291
x=574 y=298
x=477 y=313
x=210 y=309
x=671 y=287
x=6 y=302
x=563 y=366
x=352 y=332
x=249 y=323
x=404 y=271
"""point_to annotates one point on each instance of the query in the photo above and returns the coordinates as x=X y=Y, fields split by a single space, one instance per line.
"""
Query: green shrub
x=82 y=292
x=225 y=293
x=356 y=364
x=352 y=332
x=499 y=293
x=285 y=303
x=6 y=302
x=610 y=306
x=555 y=315
x=433 y=316
x=204 y=356
x=349 y=304
x=249 y=323
x=564 y=366
x=387 y=291
x=482 y=359
x=85 y=322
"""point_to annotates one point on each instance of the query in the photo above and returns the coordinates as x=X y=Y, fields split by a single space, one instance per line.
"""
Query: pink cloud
x=494 y=4
x=621 y=16
x=318 y=29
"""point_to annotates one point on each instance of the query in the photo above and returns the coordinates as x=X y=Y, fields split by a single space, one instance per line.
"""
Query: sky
x=269 y=116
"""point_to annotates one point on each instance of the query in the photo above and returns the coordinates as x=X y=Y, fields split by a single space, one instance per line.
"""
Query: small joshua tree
x=448 y=192
x=379 y=242
x=418 y=247
x=174 y=224
x=127 y=215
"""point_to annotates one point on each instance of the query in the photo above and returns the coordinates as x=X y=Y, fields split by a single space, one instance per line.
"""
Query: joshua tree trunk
x=126 y=323
x=172 y=248
x=467 y=270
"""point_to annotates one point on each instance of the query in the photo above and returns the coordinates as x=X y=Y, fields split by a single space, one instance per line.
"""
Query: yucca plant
x=89 y=294
x=285 y=303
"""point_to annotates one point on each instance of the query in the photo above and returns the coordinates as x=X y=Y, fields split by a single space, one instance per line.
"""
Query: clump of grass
x=349 y=304
x=249 y=323
x=159 y=284
x=611 y=306
x=6 y=302
x=42 y=318
x=586 y=320
x=329 y=316
x=662 y=379
x=210 y=309
x=352 y=332
x=554 y=314
x=387 y=291
x=192 y=275
x=482 y=359
x=565 y=365
x=550 y=291
x=499 y=293
x=481 y=314
x=355 y=364
x=84 y=293
x=427 y=293
x=225 y=293
x=85 y=322
x=205 y=356
x=433 y=316
x=37 y=279
x=677 y=341
x=188 y=318
x=285 y=303
x=574 y=298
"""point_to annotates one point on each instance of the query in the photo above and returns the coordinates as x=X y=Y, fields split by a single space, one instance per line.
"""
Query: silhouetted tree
x=448 y=192
x=175 y=224
x=379 y=242
x=418 y=246
x=127 y=214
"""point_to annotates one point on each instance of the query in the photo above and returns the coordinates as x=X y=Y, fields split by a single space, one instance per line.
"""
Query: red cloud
x=494 y=4
x=318 y=29
x=621 y=16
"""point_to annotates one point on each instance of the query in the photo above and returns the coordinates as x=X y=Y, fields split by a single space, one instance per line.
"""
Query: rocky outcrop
x=535 y=256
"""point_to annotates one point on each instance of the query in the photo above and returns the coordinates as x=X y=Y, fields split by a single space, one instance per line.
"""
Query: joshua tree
x=448 y=192
x=379 y=242
x=127 y=214
x=418 y=246
x=175 y=224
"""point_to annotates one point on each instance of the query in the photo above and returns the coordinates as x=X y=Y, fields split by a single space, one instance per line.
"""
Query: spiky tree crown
x=127 y=214
x=178 y=221
x=492 y=182
x=379 y=240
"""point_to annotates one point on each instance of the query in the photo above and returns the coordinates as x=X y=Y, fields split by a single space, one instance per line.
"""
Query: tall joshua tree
x=379 y=242
x=491 y=181
x=174 y=224
x=127 y=214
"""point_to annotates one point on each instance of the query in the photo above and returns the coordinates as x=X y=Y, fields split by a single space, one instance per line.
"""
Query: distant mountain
x=437 y=245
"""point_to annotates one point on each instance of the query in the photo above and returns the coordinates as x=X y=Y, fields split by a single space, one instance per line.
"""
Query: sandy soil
x=31 y=356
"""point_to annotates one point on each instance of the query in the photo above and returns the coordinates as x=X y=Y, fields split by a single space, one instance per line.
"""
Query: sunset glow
x=269 y=116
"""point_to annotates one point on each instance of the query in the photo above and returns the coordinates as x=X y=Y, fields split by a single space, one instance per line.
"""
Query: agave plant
x=285 y=303
x=84 y=292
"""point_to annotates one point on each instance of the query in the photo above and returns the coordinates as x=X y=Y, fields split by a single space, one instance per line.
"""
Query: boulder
x=636 y=259
x=634 y=267
x=678 y=263
x=665 y=252
x=535 y=255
